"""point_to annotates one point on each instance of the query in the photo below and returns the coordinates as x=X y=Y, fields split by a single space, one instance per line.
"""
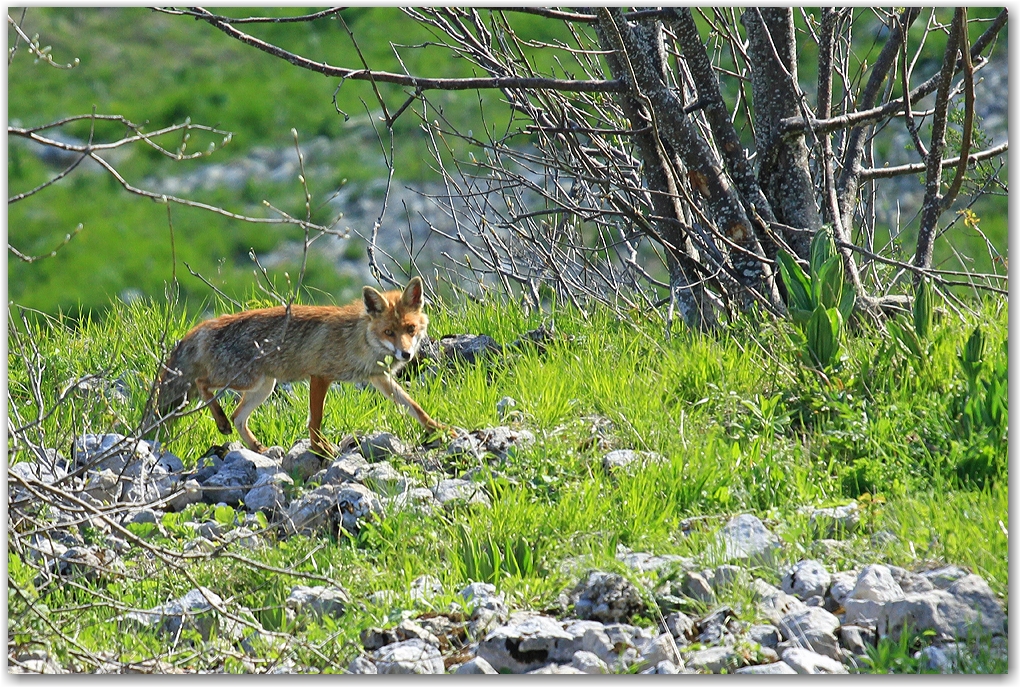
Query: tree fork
x=705 y=173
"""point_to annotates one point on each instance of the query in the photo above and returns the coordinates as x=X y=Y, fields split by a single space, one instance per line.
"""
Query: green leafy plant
x=897 y=655
x=820 y=302
x=484 y=559
x=913 y=338
x=984 y=415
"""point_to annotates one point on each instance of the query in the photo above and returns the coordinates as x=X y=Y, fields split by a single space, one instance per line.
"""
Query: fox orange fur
x=365 y=341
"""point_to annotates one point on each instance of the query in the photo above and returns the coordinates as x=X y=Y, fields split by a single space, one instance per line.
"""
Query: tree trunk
x=642 y=65
x=783 y=168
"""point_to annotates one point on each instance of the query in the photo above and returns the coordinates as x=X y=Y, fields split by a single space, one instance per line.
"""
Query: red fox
x=251 y=351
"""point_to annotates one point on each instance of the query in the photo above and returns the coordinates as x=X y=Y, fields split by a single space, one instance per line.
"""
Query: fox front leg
x=222 y=422
x=393 y=391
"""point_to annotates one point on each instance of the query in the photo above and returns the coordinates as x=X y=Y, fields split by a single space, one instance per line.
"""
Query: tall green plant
x=820 y=302
x=913 y=337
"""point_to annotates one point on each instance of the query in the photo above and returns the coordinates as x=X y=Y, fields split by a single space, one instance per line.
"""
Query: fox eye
x=410 y=329
x=388 y=332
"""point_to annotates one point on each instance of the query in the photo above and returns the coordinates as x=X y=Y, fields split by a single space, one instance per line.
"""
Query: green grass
x=743 y=428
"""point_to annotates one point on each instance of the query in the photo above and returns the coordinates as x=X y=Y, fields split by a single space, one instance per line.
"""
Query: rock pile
x=663 y=616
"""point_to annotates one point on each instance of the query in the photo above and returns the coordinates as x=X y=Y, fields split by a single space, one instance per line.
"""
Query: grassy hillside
x=743 y=426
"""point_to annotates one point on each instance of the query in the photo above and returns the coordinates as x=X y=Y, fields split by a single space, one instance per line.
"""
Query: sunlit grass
x=738 y=426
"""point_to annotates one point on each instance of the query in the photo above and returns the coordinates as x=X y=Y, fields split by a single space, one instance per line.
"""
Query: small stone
x=318 y=601
x=419 y=500
x=606 y=597
x=804 y=625
x=934 y=658
x=425 y=587
x=588 y=662
x=103 y=486
x=745 y=537
x=726 y=576
x=357 y=503
x=408 y=629
x=697 y=587
x=35 y=662
x=268 y=494
x=555 y=669
x=841 y=586
x=454 y=492
x=662 y=648
x=312 y=511
x=526 y=642
x=856 y=639
x=777 y=668
x=714 y=660
x=190 y=492
x=194 y=610
x=681 y=626
x=836 y=522
x=876 y=583
x=300 y=463
x=806 y=578
x=774 y=603
x=476 y=666
x=662 y=668
x=143 y=516
x=807 y=662
x=413 y=656
x=382 y=446
x=646 y=562
x=765 y=635
x=465 y=445
x=469 y=347
x=361 y=666
x=344 y=468
x=628 y=459
x=382 y=478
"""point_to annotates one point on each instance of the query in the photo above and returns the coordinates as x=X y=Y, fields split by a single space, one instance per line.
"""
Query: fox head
x=397 y=325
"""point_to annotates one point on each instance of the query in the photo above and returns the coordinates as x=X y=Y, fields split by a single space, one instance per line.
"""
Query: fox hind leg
x=250 y=400
x=318 y=386
x=222 y=422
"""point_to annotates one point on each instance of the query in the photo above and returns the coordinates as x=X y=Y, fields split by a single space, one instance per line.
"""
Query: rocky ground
x=818 y=620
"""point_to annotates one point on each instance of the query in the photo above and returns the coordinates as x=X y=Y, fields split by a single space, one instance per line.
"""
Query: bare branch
x=918 y=167
x=416 y=82
x=933 y=202
x=255 y=20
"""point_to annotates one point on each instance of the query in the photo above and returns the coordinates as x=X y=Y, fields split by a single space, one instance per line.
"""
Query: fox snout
x=402 y=349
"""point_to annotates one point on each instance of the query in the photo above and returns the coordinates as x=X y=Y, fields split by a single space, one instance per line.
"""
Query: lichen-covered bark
x=740 y=169
x=640 y=62
x=933 y=202
x=686 y=286
x=783 y=170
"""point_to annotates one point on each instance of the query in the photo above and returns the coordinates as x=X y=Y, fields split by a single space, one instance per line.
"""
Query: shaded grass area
x=743 y=428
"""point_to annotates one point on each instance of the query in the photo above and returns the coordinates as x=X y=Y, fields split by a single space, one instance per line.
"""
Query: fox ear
x=375 y=304
x=411 y=298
